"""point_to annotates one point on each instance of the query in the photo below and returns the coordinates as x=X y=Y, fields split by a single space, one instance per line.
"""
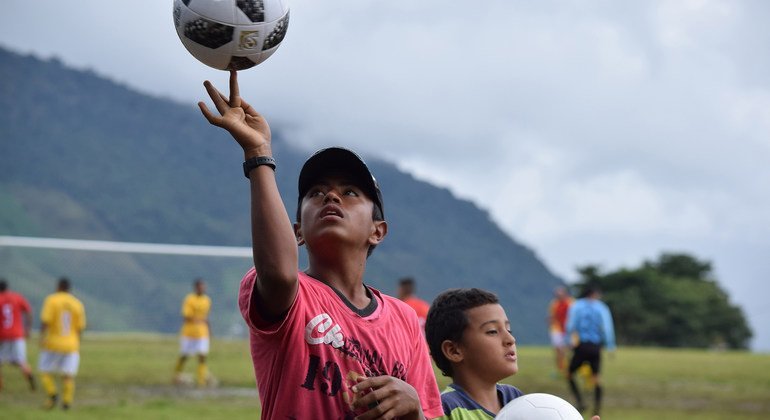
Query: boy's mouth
x=331 y=211
x=511 y=355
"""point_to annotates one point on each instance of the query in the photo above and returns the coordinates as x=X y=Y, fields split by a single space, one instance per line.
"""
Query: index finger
x=235 y=95
x=216 y=97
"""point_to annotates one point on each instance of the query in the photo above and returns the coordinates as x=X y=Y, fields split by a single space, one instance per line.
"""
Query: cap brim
x=338 y=160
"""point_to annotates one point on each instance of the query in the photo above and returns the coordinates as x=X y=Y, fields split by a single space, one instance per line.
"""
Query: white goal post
x=129 y=247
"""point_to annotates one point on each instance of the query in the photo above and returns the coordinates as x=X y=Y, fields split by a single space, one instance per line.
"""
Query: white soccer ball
x=539 y=407
x=231 y=34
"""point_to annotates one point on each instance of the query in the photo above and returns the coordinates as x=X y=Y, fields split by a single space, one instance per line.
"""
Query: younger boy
x=324 y=345
x=470 y=340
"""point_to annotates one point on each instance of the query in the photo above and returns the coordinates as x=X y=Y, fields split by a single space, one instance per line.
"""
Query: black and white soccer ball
x=231 y=34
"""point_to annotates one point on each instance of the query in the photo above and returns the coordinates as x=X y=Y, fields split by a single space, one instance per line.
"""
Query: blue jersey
x=458 y=405
x=592 y=321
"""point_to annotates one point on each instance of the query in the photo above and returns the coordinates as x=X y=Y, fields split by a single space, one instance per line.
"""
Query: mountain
x=83 y=157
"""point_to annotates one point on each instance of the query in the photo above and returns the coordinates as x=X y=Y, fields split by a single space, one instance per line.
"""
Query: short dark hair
x=447 y=320
x=3 y=285
x=589 y=290
x=64 y=284
x=406 y=281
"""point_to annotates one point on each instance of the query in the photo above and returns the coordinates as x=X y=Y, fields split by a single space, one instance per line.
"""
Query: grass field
x=129 y=377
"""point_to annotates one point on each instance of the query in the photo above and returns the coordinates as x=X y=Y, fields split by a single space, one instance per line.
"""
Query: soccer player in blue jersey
x=590 y=319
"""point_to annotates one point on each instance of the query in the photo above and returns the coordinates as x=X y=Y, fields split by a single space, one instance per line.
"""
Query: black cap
x=339 y=160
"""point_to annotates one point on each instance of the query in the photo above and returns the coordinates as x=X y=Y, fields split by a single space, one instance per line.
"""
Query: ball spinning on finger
x=231 y=34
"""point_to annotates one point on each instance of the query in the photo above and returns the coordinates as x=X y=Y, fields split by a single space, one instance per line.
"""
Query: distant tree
x=680 y=265
x=672 y=302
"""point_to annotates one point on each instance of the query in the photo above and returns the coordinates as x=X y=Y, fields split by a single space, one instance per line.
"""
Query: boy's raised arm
x=273 y=241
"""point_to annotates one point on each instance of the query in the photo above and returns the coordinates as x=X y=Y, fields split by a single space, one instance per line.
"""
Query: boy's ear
x=298 y=234
x=452 y=351
x=379 y=232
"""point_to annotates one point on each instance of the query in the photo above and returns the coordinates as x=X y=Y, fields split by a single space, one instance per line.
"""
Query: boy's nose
x=331 y=196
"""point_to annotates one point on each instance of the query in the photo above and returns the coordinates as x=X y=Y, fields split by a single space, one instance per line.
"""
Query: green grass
x=129 y=377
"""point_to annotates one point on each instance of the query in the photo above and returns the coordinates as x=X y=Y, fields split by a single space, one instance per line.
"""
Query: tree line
x=672 y=302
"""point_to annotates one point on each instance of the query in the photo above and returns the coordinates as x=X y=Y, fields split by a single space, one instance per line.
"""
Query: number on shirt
x=66 y=322
x=7 y=316
x=330 y=377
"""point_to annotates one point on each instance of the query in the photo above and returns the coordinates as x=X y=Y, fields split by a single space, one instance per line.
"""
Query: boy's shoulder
x=508 y=392
x=458 y=404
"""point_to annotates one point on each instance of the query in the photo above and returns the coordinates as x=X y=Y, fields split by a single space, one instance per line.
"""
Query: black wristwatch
x=252 y=163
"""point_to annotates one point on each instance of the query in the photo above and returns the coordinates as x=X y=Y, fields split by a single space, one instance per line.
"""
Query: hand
x=595 y=418
x=386 y=397
x=240 y=119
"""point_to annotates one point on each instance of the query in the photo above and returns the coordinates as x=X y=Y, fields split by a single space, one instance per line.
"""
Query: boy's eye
x=351 y=193
x=492 y=332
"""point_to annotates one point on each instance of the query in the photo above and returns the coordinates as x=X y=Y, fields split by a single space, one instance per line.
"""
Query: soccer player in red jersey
x=15 y=322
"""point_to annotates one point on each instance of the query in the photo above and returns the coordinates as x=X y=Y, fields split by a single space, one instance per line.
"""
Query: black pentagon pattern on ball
x=276 y=35
x=254 y=9
x=208 y=33
x=186 y=2
x=240 y=63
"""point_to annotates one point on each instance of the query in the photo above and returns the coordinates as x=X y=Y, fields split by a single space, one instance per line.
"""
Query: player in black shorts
x=591 y=320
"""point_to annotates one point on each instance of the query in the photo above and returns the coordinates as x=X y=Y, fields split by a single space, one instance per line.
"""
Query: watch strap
x=252 y=163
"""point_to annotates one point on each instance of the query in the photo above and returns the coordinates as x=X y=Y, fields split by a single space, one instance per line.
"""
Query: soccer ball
x=539 y=407
x=231 y=34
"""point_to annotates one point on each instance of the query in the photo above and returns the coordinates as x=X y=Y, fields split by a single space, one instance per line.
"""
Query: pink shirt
x=306 y=363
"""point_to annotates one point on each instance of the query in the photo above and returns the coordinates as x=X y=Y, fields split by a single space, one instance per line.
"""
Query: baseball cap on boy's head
x=336 y=160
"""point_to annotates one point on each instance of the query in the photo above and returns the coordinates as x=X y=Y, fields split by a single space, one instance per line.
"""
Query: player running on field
x=15 y=323
x=591 y=320
x=62 y=321
x=557 y=321
x=194 y=337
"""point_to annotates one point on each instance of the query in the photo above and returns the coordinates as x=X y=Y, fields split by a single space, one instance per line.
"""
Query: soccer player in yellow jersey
x=194 y=338
x=62 y=321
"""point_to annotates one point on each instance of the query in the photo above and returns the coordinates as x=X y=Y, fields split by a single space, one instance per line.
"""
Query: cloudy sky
x=597 y=132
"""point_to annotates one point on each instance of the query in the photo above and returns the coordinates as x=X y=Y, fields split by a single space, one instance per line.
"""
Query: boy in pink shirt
x=323 y=344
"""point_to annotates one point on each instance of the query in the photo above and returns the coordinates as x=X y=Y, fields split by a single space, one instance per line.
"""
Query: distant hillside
x=83 y=157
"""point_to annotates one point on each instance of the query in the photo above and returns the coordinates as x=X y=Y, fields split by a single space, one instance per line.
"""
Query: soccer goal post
x=128 y=286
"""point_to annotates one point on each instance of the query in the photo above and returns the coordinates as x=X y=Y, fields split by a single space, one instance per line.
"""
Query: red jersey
x=559 y=308
x=421 y=307
x=12 y=308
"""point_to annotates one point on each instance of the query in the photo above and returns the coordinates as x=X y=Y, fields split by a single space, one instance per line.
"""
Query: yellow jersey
x=64 y=318
x=195 y=311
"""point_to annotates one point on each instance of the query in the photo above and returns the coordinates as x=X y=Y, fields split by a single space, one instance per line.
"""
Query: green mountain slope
x=85 y=158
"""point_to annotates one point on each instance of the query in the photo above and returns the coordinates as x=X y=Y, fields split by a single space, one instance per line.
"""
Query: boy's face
x=487 y=346
x=335 y=209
